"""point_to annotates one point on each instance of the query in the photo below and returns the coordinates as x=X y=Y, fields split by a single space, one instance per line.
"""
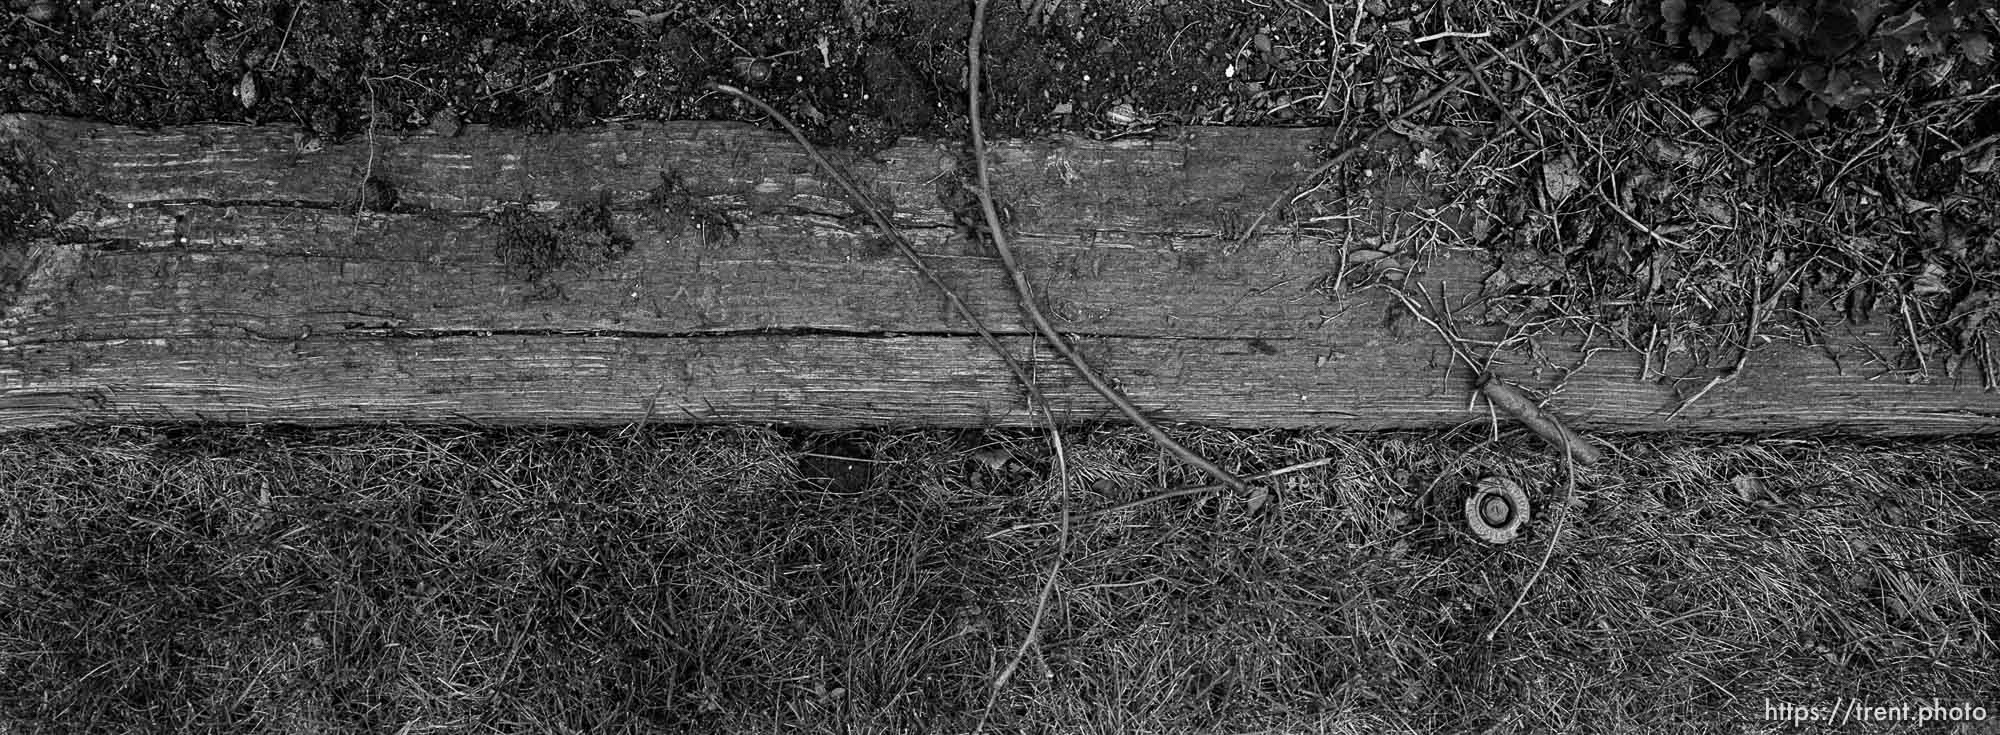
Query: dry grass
x=1648 y=203
x=441 y=580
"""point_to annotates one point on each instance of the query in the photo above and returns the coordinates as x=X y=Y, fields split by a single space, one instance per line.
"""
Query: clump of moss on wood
x=676 y=209
x=33 y=199
x=34 y=196
x=534 y=245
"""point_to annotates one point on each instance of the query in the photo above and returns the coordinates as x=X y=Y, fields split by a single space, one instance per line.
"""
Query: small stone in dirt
x=753 y=71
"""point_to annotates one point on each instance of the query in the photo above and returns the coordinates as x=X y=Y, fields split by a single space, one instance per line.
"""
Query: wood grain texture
x=223 y=273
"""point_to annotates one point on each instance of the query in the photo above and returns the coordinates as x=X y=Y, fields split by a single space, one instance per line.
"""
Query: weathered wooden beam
x=705 y=271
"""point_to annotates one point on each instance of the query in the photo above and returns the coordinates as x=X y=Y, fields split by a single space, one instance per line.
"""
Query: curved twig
x=874 y=212
x=1027 y=294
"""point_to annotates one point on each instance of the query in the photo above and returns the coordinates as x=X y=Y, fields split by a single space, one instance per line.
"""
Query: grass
x=651 y=580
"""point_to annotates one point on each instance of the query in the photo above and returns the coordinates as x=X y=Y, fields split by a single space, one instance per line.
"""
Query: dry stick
x=1355 y=146
x=1507 y=397
x=1521 y=407
x=1027 y=294
x=868 y=206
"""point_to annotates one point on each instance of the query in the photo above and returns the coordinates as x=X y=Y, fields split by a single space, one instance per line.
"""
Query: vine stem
x=868 y=206
x=1027 y=294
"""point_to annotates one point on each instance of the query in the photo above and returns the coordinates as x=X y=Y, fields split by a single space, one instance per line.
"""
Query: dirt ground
x=854 y=72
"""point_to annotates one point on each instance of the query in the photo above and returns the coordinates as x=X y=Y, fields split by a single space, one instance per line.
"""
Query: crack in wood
x=345 y=333
x=445 y=333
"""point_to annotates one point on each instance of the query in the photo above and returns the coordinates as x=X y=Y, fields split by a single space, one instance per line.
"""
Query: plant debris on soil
x=743 y=579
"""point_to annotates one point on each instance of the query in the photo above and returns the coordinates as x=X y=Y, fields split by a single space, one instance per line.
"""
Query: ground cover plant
x=747 y=579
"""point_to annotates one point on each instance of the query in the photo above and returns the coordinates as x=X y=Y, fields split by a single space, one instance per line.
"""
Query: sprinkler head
x=1496 y=510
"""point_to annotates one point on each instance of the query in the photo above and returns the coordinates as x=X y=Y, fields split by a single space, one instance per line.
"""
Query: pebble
x=753 y=71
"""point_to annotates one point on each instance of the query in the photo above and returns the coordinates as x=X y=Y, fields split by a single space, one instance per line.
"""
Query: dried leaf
x=1559 y=177
x=1765 y=64
x=638 y=18
x=1791 y=21
x=1674 y=12
x=1813 y=78
x=1986 y=162
x=1723 y=17
x=1260 y=500
x=1976 y=309
x=1750 y=489
x=246 y=90
x=1976 y=48
x=1907 y=27
x=1788 y=94
x=1841 y=90
x=1358 y=257
x=1737 y=45
x=1929 y=281
x=1701 y=38
x=1679 y=75
x=993 y=457
x=1718 y=211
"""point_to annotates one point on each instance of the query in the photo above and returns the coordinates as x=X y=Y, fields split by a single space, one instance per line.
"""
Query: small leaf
x=1791 y=22
x=1907 y=27
x=1840 y=89
x=1976 y=49
x=1674 y=12
x=1750 y=489
x=1364 y=255
x=1723 y=17
x=1737 y=45
x=1701 y=38
x=1678 y=75
x=1764 y=65
x=1559 y=177
x=1788 y=93
x=246 y=90
x=1260 y=498
x=993 y=457
x=1813 y=78
x=1867 y=13
x=1984 y=163
x=1929 y=281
